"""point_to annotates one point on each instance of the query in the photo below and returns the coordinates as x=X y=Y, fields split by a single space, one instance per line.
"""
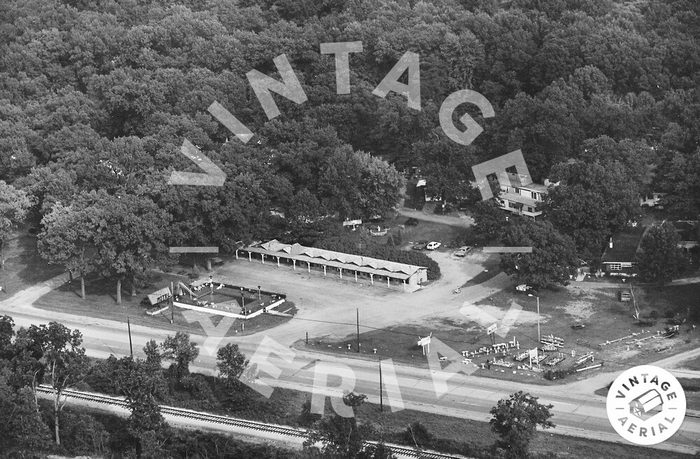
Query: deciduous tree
x=660 y=259
x=490 y=222
x=342 y=436
x=592 y=202
x=230 y=362
x=14 y=205
x=516 y=419
x=553 y=258
x=359 y=185
x=21 y=425
x=67 y=239
x=139 y=384
x=64 y=360
x=153 y=355
x=179 y=349
x=129 y=235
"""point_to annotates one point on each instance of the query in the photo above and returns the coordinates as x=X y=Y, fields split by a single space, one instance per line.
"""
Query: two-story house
x=524 y=199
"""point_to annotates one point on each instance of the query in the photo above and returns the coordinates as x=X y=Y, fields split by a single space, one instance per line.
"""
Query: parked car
x=420 y=245
x=463 y=251
x=433 y=245
x=524 y=288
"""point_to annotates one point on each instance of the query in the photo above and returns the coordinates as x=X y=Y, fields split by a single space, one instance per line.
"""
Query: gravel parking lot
x=327 y=304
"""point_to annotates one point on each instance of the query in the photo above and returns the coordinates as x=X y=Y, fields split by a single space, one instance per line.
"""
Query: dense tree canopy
x=101 y=95
x=593 y=200
x=552 y=260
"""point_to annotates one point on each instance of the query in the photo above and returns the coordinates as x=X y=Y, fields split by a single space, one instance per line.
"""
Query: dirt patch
x=623 y=353
x=580 y=308
x=486 y=315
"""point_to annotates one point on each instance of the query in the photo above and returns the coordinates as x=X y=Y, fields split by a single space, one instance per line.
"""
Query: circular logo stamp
x=646 y=405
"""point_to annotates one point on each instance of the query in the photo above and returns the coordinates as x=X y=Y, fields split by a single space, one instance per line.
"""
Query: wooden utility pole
x=172 y=303
x=381 y=395
x=357 y=310
x=131 y=346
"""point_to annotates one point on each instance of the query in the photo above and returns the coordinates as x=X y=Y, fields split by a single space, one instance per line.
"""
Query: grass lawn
x=23 y=265
x=101 y=302
x=423 y=231
x=678 y=299
x=468 y=437
x=692 y=364
x=399 y=343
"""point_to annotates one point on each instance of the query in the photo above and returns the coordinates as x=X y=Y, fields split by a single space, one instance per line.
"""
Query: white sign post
x=533 y=353
x=490 y=331
x=425 y=342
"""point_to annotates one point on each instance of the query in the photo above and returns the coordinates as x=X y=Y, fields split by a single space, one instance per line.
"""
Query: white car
x=433 y=245
x=463 y=251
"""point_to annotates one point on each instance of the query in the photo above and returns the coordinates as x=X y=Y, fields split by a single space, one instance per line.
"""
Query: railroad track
x=285 y=431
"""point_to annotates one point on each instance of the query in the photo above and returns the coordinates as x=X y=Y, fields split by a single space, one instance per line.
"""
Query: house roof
x=336 y=259
x=687 y=230
x=625 y=246
x=538 y=187
x=515 y=197
x=525 y=182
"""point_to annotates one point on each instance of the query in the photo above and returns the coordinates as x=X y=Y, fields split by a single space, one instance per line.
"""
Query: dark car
x=420 y=245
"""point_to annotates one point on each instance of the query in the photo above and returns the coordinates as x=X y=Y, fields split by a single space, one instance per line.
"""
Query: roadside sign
x=425 y=343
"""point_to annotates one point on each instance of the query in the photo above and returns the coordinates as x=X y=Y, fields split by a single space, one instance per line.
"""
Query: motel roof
x=336 y=259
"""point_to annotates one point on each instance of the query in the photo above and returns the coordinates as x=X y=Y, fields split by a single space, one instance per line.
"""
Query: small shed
x=159 y=296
